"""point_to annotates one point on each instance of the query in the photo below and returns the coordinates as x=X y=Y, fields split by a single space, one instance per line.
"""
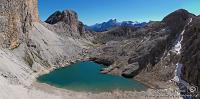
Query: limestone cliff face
x=33 y=8
x=21 y=31
x=16 y=17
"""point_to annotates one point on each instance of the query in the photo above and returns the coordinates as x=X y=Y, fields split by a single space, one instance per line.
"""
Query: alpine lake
x=86 y=76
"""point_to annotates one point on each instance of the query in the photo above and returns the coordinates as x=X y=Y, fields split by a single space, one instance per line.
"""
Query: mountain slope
x=28 y=49
x=191 y=53
x=147 y=54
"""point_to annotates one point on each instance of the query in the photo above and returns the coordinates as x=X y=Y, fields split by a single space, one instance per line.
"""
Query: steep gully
x=183 y=85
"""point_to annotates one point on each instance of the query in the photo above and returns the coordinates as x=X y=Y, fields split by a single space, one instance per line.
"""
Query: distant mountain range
x=104 y=26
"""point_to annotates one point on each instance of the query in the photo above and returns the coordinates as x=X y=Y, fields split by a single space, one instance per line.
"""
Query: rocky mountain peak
x=177 y=17
x=176 y=21
x=66 y=23
x=112 y=21
x=66 y=16
x=55 y=17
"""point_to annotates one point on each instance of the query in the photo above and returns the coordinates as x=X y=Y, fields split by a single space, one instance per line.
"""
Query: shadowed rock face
x=177 y=19
x=66 y=23
x=68 y=17
x=15 y=18
x=176 y=22
x=191 y=53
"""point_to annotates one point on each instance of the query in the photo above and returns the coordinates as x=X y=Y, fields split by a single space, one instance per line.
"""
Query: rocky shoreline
x=152 y=85
x=116 y=94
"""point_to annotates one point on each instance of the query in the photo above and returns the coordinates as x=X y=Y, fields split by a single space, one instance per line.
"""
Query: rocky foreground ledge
x=170 y=93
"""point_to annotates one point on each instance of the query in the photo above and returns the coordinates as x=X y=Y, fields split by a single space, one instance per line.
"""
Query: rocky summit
x=66 y=23
x=162 y=54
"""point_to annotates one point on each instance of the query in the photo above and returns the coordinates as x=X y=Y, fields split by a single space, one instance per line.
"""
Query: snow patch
x=177 y=48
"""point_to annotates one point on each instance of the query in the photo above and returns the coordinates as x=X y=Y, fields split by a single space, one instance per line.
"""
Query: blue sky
x=96 y=11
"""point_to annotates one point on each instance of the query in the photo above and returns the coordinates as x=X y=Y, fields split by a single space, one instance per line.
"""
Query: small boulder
x=131 y=70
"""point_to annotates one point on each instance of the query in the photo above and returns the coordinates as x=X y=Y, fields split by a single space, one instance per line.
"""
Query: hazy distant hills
x=104 y=26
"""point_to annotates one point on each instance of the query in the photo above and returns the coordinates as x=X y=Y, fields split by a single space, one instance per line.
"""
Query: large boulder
x=131 y=70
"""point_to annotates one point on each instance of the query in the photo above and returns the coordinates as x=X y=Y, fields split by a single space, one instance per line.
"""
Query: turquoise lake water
x=86 y=76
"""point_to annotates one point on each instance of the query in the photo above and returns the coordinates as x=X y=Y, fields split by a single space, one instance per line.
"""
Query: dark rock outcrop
x=190 y=56
x=131 y=70
x=68 y=17
x=177 y=19
x=176 y=22
x=66 y=23
x=107 y=61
